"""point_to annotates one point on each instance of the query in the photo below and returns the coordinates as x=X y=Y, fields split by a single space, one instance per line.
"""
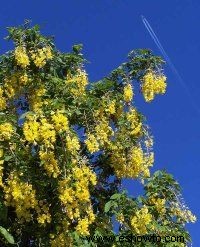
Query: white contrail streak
x=168 y=60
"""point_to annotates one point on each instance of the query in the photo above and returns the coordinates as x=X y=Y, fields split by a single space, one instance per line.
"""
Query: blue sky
x=109 y=29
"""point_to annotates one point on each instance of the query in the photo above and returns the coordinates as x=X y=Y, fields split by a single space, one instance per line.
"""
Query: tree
x=67 y=144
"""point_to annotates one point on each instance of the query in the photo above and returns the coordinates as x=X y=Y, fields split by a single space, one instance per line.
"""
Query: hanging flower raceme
x=50 y=163
x=39 y=129
x=135 y=121
x=111 y=107
x=60 y=121
x=21 y=56
x=40 y=56
x=21 y=196
x=153 y=83
x=6 y=131
x=76 y=197
x=103 y=132
x=130 y=164
x=77 y=83
x=141 y=221
x=92 y=143
x=72 y=143
x=128 y=93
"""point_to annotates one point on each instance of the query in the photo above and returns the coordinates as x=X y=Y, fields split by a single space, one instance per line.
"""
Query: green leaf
x=115 y=196
x=9 y=238
x=7 y=158
x=107 y=207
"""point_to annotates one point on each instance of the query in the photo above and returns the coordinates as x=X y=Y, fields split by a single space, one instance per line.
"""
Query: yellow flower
x=128 y=93
x=133 y=118
x=75 y=195
x=153 y=83
x=82 y=227
x=43 y=213
x=92 y=144
x=72 y=144
x=141 y=220
x=60 y=122
x=120 y=218
x=21 y=56
x=6 y=131
x=23 y=79
x=47 y=133
x=21 y=196
x=50 y=163
x=31 y=131
x=111 y=107
x=103 y=132
x=77 y=83
x=159 y=204
x=40 y=56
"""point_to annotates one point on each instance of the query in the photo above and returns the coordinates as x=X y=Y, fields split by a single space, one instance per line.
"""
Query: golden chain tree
x=66 y=144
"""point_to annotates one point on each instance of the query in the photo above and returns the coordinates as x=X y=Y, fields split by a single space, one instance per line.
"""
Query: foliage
x=66 y=144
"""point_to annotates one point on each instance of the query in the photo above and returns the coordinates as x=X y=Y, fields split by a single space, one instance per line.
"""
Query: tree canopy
x=66 y=145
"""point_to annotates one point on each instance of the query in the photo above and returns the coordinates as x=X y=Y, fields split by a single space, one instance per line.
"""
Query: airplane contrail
x=168 y=60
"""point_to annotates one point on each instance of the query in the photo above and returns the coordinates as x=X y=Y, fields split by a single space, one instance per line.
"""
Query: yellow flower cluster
x=9 y=89
x=43 y=131
x=159 y=204
x=50 y=163
x=35 y=100
x=133 y=118
x=21 y=56
x=82 y=227
x=47 y=133
x=23 y=79
x=111 y=107
x=61 y=240
x=72 y=144
x=6 y=131
x=101 y=135
x=37 y=128
x=2 y=100
x=141 y=220
x=13 y=85
x=21 y=196
x=60 y=122
x=75 y=196
x=31 y=130
x=103 y=132
x=153 y=83
x=128 y=93
x=77 y=83
x=41 y=56
x=131 y=164
x=92 y=143
x=43 y=213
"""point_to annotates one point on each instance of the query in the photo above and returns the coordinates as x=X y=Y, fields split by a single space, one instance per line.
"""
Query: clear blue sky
x=109 y=29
